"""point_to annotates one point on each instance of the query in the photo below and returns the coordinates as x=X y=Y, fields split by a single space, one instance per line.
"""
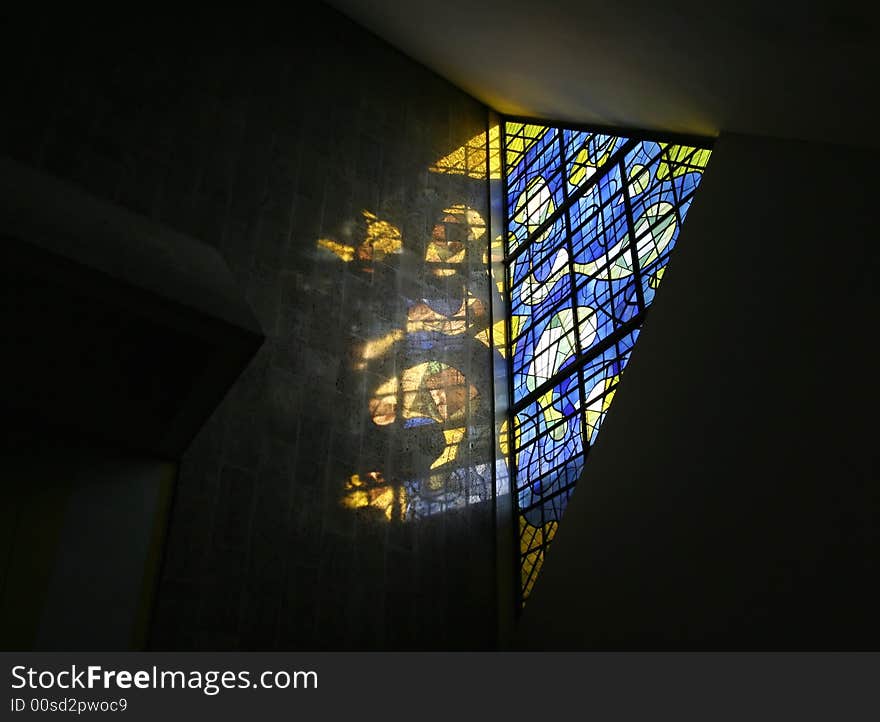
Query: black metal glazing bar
x=573 y=290
x=633 y=241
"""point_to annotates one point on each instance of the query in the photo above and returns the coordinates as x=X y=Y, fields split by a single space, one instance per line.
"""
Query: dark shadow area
x=264 y=135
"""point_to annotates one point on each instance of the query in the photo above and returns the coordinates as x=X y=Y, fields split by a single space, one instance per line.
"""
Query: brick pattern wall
x=260 y=137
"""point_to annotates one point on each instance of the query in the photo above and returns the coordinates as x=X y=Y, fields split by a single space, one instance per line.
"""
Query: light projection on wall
x=479 y=158
x=424 y=392
x=372 y=491
x=591 y=221
x=429 y=391
x=380 y=239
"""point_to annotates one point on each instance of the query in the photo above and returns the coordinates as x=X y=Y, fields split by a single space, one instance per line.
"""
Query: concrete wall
x=732 y=500
x=263 y=135
x=82 y=527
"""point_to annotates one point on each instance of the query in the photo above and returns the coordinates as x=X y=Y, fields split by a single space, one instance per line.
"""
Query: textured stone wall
x=341 y=495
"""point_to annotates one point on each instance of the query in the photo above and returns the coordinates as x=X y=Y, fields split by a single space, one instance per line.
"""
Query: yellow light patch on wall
x=383 y=237
x=492 y=257
x=453 y=439
x=346 y=253
x=421 y=317
x=448 y=390
x=431 y=390
x=470 y=218
x=470 y=159
x=377 y=347
x=461 y=224
x=442 y=252
x=380 y=239
x=497 y=252
x=383 y=405
x=372 y=491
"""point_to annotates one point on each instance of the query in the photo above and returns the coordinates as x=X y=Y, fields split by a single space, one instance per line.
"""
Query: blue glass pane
x=534 y=189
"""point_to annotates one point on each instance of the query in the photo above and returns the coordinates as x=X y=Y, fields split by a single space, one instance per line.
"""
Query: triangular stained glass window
x=591 y=221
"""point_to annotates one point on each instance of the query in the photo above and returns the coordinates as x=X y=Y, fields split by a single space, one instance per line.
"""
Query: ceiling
x=794 y=69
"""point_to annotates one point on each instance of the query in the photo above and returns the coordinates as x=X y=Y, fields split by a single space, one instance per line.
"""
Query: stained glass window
x=591 y=220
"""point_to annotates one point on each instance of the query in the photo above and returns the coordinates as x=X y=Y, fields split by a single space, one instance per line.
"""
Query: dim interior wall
x=732 y=499
x=31 y=518
x=82 y=538
x=265 y=135
x=504 y=511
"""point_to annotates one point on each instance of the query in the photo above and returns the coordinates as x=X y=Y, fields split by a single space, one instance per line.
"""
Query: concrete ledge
x=119 y=329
